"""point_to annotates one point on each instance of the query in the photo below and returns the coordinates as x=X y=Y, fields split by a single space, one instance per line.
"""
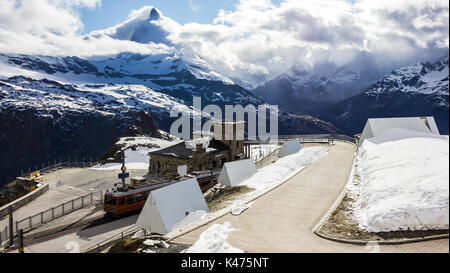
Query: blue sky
x=113 y=12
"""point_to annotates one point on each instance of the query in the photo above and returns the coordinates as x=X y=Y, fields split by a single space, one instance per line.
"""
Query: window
x=121 y=201
x=146 y=194
x=110 y=200
x=139 y=197
x=131 y=199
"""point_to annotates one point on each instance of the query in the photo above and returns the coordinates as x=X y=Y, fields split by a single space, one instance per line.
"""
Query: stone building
x=200 y=154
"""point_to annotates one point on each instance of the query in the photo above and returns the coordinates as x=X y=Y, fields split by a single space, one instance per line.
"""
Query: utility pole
x=124 y=173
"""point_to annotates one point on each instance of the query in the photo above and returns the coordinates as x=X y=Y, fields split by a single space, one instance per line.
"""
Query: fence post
x=92 y=198
x=20 y=234
x=53 y=213
x=63 y=209
x=42 y=218
x=30 y=224
x=82 y=201
x=11 y=231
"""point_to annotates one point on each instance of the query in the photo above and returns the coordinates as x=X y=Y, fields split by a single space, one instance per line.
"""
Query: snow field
x=404 y=182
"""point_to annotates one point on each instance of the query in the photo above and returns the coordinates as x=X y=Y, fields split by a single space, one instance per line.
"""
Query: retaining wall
x=22 y=201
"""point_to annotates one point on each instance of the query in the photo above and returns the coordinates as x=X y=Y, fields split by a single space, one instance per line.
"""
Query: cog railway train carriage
x=133 y=197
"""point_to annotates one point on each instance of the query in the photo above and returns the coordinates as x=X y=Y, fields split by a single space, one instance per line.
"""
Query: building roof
x=376 y=126
x=186 y=148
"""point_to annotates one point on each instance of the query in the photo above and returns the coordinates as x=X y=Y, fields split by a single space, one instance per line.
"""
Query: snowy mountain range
x=304 y=92
x=54 y=107
x=60 y=107
x=417 y=90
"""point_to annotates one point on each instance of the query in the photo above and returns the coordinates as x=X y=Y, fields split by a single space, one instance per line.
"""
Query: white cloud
x=261 y=40
x=253 y=42
x=52 y=27
x=194 y=6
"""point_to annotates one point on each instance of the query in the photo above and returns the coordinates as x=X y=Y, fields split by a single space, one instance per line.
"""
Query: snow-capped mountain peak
x=422 y=78
x=145 y=25
x=302 y=91
x=155 y=14
x=417 y=90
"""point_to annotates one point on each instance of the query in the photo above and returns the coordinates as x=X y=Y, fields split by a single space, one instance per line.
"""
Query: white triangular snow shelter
x=290 y=147
x=377 y=126
x=167 y=206
x=236 y=172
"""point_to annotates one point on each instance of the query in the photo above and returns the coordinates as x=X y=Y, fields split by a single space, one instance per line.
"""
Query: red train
x=134 y=197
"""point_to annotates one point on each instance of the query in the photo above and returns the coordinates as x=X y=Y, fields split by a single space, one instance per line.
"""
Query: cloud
x=253 y=42
x=52 y=27
x=194 y=6
x=260 y=40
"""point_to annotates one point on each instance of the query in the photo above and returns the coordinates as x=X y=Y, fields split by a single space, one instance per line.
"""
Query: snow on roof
x=192 y=144
x=377 y=126
x=186 y=148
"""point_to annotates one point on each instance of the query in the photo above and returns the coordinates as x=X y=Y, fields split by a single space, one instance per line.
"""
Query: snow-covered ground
x=274 y=174
x=214 y=240
x=403 y=182
x=136 y=152
x=143 y=141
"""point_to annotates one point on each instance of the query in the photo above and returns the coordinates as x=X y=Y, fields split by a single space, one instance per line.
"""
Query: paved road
x=281 y=221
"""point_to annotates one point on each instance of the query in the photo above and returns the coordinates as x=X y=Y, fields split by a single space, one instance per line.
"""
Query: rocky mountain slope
x=54 y=108
x=418 y=90
x=303 y=92
x=61 y=107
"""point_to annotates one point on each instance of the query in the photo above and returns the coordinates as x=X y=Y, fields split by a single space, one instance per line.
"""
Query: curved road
x=282 y=220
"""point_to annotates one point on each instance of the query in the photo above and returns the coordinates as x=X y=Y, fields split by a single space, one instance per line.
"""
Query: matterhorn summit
x=143 y=26
x=155 y=14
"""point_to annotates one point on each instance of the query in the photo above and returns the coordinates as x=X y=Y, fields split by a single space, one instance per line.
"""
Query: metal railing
x=320 y=138
x=263 y=160
x=44 y=217
x=111 y=240
x=4 y=236
x=62 y=165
